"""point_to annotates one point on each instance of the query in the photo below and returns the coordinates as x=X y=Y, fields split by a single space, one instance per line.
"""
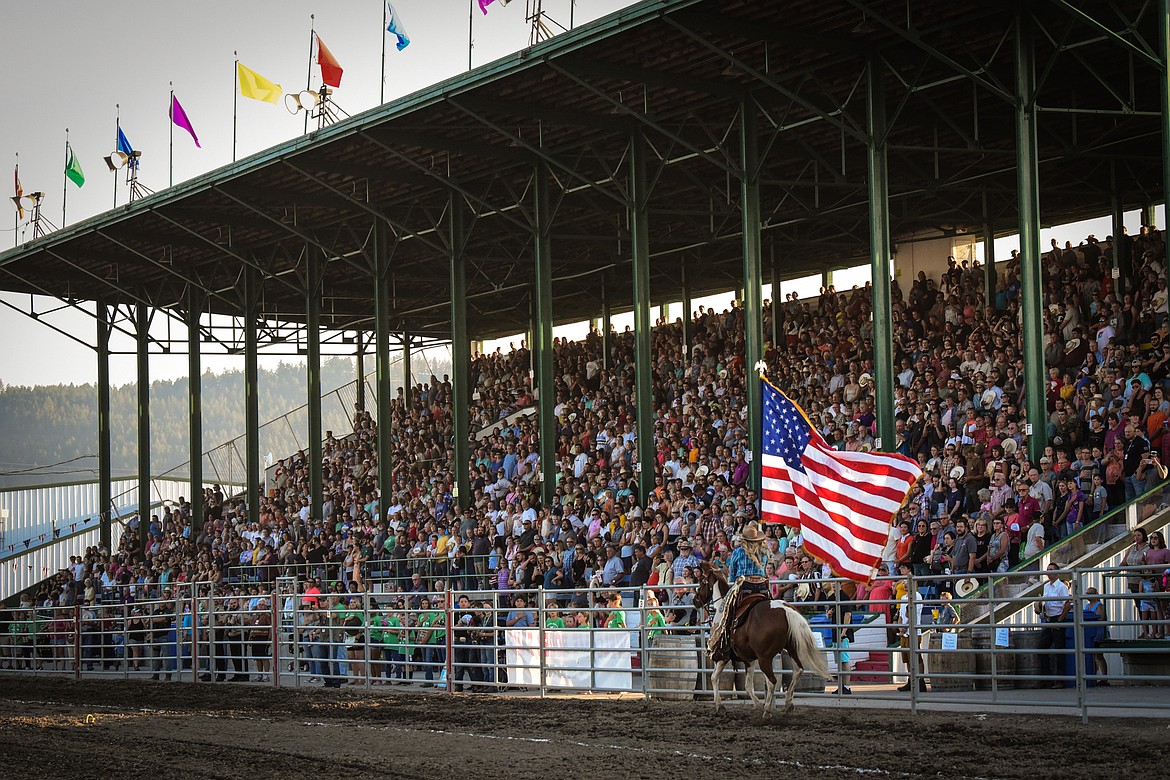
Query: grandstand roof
x=679 y=69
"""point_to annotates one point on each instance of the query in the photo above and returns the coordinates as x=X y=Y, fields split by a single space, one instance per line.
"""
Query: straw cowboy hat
x=966 y=586
x=752 y=533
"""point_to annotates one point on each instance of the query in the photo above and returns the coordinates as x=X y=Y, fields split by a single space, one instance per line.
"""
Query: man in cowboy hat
x=745 y=571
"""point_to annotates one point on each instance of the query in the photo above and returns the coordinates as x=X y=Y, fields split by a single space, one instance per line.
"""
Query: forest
x=52 y=424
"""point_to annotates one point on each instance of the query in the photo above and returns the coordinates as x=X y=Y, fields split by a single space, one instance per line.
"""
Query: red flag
x=330 y=70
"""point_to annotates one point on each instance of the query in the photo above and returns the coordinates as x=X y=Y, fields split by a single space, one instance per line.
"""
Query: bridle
x=710 y=603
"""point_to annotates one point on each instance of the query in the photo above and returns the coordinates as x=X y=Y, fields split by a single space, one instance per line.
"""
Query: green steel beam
x=460 y=351
x=880 y=258
x=640 y=251
x=314 y=276
x=1164 y=92
x=407 y=369
x=753 y=277
x=776 y=306
x=382 y=306
x=1031 y=280
x=359 y=358
x=827 y=278
x=142 y=321
x=606 y=320
x=688 y=336
x=1134 y=50
x=105 y=492
x=252 y=288
x=1122 y=267
x=195 y=303
x=990 y=281
x=542 y=344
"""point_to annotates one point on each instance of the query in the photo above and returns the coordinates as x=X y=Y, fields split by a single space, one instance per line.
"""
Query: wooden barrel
x=1005 y=661
x=673 y=666
x=960 y=661
x=1027 y=663
x=809 y=682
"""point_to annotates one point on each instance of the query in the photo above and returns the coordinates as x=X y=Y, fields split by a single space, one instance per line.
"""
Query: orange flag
x=330 y=70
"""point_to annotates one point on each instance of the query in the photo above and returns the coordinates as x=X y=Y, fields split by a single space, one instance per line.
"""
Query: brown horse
x=767 y=631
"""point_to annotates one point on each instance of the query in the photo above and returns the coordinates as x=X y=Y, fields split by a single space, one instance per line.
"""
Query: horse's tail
x=800 y=639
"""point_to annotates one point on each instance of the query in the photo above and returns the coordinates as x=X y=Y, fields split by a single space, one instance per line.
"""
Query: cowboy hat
x=752 y=533
x=865 y=379
x=966 y=586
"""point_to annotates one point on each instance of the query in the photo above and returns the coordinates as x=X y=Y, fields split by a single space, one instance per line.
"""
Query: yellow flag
x=255 y=86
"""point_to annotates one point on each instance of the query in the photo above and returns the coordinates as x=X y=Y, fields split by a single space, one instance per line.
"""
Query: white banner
x=568 y=658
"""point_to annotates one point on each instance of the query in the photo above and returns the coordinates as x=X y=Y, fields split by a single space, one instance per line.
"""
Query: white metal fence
x=918 y=648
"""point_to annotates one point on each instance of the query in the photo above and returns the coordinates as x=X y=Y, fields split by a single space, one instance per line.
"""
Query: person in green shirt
x=433 y=640
x=378 y=671
x=654 y=617
x=617 y=618
x=553 y=619
x=393 y=650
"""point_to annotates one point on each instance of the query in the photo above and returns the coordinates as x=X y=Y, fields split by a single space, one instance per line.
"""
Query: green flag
x=73 y=169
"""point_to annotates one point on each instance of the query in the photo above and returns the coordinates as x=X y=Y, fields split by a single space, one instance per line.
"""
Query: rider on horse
x=745 y=570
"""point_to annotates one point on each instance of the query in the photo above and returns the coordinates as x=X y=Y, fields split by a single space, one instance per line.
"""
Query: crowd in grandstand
x=982 y=507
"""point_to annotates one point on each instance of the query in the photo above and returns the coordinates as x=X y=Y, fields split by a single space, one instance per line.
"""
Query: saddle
x=744 y=605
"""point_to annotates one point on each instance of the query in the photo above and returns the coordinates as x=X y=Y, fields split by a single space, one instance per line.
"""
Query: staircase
x=1100 y=545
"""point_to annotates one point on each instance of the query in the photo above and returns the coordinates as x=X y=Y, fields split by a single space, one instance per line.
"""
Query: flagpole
x=382 y=92
x=309 y=70
x=235 y=100
x=470 y=26
x=117 y=135
x=16 y=211
x=65 y=184
x=171 y=112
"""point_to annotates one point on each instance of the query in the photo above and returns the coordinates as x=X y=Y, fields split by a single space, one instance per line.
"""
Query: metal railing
x=919 y=648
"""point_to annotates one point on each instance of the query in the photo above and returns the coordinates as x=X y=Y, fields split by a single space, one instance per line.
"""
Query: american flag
x=843 y=502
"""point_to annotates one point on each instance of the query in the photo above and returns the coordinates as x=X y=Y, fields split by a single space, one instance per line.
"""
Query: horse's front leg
x=715 y=675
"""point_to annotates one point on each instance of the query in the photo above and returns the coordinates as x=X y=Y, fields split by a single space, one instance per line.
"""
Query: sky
x=82 y=65
x=79 y=65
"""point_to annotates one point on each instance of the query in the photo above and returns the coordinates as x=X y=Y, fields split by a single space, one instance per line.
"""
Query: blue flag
x=396 y=27
x=125 y=148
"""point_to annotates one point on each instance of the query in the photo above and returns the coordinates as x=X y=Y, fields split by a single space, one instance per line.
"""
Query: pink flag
x=179 y=117
x=483 y=4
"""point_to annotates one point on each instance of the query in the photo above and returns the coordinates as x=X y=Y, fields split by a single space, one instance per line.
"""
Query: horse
x=767 y=631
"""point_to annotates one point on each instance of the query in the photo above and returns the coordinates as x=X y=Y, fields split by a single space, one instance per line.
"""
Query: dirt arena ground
x=59 y=728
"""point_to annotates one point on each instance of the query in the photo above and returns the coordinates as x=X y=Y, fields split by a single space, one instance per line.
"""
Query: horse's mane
x=710 y=570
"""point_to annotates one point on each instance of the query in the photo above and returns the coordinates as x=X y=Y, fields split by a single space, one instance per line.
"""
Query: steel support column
x=252 y=393
x=382 y=304
x=407 y=371
x=826 y=279
x=460 y=353
x=606 y=319
x=753 y=277
x=990 y=280
x=195 y=304
x=1031 y=281
x=315 y=274
x=640 y=250
x=880 y=259
x=687 y=330
x=142 y=318
x=105 y=491
x=1122 y=265
x=776 y=307
x=360 y=365
x=1164 y=90
x=542 y=344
